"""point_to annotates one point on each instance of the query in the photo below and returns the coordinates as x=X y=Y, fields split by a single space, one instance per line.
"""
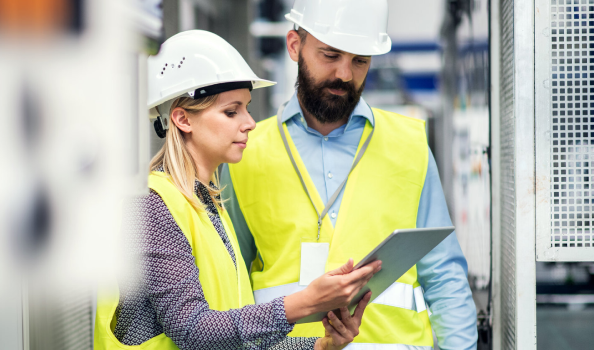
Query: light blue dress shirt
x=328 y=159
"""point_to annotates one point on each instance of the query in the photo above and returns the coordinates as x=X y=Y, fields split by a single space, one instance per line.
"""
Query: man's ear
x=293 y=45
x=179 y=117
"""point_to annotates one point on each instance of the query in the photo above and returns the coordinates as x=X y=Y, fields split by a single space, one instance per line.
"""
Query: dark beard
x=324 y=106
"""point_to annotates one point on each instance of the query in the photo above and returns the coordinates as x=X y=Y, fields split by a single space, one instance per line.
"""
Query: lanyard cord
x=337 y=192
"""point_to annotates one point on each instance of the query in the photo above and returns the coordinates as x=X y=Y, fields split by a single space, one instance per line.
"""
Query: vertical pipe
x=187 y=20
x=444 y=137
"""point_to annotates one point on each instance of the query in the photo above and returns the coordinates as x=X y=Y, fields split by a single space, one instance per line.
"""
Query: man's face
x=330 y=81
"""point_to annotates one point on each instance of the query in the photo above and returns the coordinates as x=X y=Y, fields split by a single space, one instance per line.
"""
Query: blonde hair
x=175 y=158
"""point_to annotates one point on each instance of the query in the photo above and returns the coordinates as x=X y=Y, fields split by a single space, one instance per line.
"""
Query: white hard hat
x=355 y=26
x=197 y=63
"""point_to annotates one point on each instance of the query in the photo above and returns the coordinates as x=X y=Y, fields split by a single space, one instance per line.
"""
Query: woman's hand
x=333 y=290
x=339 y=333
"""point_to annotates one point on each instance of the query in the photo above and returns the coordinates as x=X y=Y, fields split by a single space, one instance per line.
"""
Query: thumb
x=344 y=269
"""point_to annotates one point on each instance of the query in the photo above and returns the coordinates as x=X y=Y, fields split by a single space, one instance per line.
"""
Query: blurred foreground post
x=75 y=141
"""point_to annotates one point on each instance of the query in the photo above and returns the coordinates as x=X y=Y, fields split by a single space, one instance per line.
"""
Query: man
x=290 y=174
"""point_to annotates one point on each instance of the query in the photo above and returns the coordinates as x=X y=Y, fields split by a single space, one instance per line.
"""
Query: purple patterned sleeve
x=169 y=282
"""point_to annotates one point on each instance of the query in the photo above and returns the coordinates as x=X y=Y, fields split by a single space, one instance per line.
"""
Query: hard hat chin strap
x=158 y=124
x=162 y=123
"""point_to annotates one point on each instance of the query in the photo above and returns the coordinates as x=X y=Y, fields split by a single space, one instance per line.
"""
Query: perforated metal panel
x=570 y=188
x=565 y=130
x=61 y=320
x=508 y=195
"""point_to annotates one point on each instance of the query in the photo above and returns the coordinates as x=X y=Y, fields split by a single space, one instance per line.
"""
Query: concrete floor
x=560 y=328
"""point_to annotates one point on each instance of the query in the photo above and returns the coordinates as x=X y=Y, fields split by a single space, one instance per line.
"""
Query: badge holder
x=314 y=255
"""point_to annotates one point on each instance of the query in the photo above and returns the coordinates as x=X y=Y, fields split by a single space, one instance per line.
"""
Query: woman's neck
x=204 y=175
x=205 y=168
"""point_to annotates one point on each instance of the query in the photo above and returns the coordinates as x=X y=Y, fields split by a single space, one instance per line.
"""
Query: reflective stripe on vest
x=224 y=286
x=382 y=194
x=400 y=295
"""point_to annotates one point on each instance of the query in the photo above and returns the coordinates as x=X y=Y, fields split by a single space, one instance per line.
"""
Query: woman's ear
x=179 y=117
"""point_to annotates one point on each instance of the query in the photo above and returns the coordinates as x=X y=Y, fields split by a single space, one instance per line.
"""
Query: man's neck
x=322 y=128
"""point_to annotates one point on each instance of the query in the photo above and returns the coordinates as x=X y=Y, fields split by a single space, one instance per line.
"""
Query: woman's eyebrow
x=239 y=103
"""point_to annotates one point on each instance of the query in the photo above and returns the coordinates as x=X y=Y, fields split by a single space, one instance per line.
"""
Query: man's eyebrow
x=331 y=49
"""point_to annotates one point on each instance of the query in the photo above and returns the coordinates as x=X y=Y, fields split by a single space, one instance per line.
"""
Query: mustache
x=339 y=85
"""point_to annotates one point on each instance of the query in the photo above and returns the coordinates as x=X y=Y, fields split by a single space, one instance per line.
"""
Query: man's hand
x=339 y=333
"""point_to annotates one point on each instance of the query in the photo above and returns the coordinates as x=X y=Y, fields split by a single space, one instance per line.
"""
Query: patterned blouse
x=167 y=297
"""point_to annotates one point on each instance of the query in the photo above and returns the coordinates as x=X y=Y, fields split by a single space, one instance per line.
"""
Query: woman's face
x=219 y=134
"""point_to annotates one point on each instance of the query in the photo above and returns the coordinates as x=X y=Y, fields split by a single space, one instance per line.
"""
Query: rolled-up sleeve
x=443 y=273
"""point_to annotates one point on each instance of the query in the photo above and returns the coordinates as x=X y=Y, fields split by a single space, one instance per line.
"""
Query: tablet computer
x=400 y=251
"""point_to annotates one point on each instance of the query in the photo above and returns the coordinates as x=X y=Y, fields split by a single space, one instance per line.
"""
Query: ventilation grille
x=572 y=123
x=508 y=195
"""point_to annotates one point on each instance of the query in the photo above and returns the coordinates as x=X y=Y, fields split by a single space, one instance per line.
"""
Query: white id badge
x=313 y=261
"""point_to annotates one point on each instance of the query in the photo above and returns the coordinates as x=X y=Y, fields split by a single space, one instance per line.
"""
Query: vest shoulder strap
x=411 y=122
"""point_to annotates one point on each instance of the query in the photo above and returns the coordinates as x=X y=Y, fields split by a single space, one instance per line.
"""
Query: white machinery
x=541 y=60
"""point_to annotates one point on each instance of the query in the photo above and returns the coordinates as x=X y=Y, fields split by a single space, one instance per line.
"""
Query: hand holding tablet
x=399 y=252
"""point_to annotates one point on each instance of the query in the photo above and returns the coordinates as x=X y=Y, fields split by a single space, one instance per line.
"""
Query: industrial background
x=506 y=88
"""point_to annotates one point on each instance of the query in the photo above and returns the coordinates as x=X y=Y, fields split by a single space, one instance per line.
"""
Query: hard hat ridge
x=194 y=59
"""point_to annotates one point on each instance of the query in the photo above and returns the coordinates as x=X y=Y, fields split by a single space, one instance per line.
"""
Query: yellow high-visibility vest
x=224 y=286
x=382 y=194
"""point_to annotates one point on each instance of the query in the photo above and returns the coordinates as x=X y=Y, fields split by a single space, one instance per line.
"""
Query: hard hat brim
x=256 y=84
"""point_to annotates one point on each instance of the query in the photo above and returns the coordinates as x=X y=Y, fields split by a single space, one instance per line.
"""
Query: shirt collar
x=199 y=187
x=293 y=110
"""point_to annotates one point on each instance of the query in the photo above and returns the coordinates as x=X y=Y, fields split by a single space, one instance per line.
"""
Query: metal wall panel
x=564 y=139
x=525 y=214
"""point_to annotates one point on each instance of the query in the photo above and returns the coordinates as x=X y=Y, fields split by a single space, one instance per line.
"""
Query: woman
x=194 y=290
